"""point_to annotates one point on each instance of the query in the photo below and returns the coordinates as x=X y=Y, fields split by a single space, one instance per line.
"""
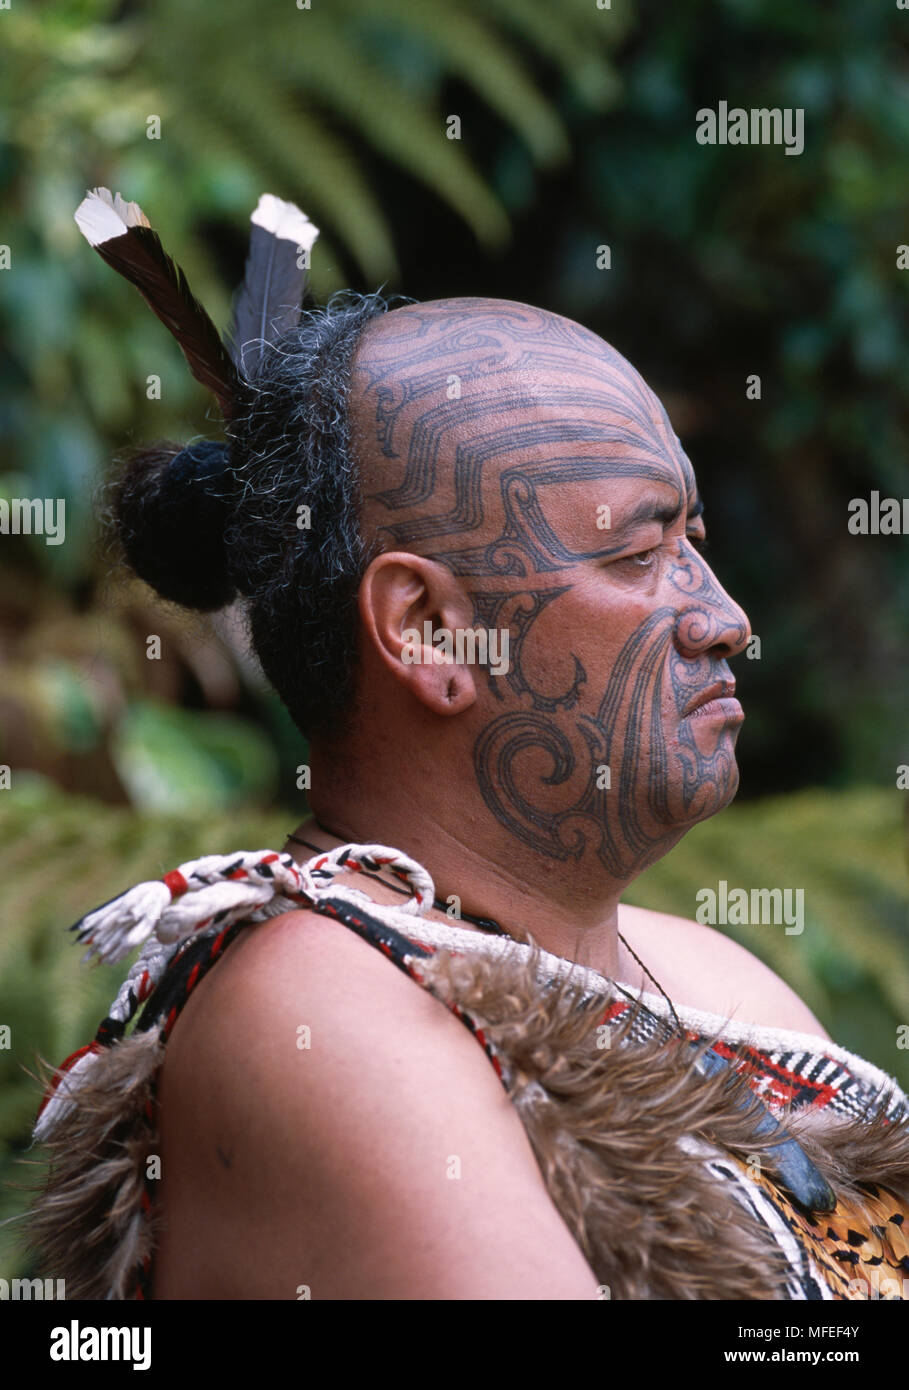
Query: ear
x=403 y=600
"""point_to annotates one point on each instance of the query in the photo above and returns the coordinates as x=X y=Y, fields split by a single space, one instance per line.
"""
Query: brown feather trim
x=88 y=1224
x=607 y=1126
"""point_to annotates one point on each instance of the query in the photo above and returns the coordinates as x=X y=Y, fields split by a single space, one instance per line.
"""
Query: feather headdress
x=268 y=301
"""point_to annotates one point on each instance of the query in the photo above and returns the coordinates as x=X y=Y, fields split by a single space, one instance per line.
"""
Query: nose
x=709 y=620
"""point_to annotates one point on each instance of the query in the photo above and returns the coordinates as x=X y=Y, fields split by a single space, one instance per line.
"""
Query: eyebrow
x=652 y=510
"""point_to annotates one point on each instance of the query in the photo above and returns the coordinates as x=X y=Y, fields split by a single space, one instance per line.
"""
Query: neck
x=567 y=908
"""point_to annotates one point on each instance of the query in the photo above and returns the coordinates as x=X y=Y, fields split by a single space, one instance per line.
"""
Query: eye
x=699 y=543
x=643 y=560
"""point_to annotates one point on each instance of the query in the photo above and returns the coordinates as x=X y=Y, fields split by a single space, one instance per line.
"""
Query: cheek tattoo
x=465 y=481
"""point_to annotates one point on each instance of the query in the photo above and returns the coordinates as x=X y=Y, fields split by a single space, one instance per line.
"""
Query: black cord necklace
x=489 y=924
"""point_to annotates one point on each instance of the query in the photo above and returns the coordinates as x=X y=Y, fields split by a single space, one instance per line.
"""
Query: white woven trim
x=757 y=1035
x=442 y=934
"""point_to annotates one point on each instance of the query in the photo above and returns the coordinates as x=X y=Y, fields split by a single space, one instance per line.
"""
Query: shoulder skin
x=331 y=1130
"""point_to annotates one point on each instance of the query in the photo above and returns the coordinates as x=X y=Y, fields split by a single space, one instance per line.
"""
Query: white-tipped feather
x=285 y=220
x=102 y=215
x=122 y=236
x=268 y=302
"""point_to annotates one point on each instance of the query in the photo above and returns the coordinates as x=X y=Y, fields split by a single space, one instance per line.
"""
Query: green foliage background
x=577 y=130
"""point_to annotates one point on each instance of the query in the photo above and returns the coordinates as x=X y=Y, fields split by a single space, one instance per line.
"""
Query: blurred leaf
x=172 y=759
x=73 y=714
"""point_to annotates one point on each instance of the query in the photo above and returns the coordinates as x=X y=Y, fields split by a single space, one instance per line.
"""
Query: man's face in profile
x=524 y=454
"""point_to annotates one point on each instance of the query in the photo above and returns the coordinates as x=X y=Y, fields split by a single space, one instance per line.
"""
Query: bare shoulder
x=705 y=969
x=328 y=1126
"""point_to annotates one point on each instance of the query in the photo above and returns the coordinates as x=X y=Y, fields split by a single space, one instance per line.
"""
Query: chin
x=696 y=799
x=717 y=796
x=732 y=787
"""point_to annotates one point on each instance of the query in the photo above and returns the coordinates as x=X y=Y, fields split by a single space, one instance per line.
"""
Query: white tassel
x=181 y=918
x=113 y=930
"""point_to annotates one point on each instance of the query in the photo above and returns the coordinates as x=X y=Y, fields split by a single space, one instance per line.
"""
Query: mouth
x=716 y=702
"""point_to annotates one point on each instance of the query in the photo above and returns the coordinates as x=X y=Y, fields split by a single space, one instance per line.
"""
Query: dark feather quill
x=121 y=234
x=268 y=301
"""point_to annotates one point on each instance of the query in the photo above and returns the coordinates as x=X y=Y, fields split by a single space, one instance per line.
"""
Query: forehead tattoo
x=467 y=419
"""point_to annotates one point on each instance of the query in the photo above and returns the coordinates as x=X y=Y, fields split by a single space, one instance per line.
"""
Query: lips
x=716 y=700
x=728 y=710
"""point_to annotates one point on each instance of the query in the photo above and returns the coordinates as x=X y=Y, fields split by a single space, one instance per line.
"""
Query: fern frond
x=564 y=38
x=296 y=150
x=473 y=52
x=408 y=132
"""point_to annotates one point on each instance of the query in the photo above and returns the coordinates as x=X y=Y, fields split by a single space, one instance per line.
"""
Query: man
x=518 y=479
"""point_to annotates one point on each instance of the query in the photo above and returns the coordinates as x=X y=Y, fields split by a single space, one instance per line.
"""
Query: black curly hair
x=207 y=523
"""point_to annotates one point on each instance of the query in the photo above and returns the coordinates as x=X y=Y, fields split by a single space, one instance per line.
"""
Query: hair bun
x=171 y=507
